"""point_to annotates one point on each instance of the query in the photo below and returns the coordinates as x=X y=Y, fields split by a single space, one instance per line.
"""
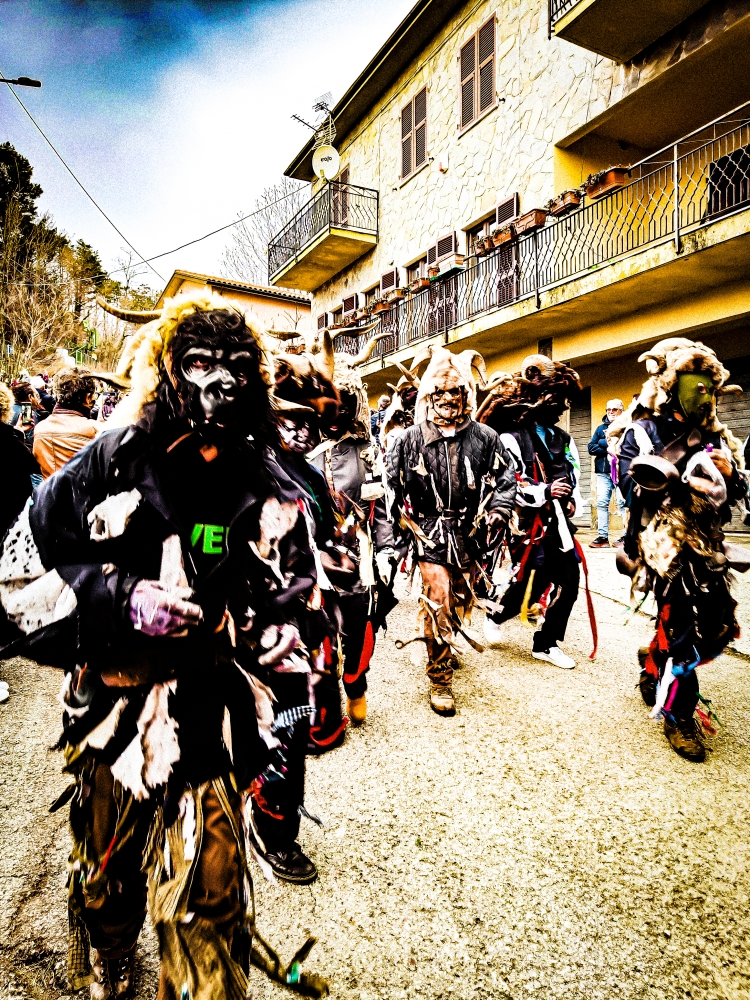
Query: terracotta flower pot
x=419 y=284
x=433 y=271
x=506 y=234
x=530 y=221
x=380 y=307
x=565 y=203
x=601 y=184
x=396 y=295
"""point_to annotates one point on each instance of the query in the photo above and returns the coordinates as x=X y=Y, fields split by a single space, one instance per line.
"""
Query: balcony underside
x=330 y=252
x=620 y=29
x=617 y=308
x=678 y=98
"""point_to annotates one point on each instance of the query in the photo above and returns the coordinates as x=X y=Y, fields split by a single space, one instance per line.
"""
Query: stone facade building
x=472 y=115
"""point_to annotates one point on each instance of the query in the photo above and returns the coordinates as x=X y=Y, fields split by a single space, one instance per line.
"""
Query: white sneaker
x=555 y=655
x=4 y=692
x=493 y=633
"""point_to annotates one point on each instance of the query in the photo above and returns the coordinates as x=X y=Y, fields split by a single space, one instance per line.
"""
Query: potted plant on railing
x=350 y=319
x=433 y=271
x=418 y=285
x=564 y=203
x=531 y=220
x=362 y=313
x=605 y=181
x=503 y=234
x=380 y=305
x=396 y=295
x=482 y=245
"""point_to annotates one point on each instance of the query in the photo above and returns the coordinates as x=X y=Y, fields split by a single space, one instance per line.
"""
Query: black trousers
x=276 y=800
x=357 y=641
x=554 y=567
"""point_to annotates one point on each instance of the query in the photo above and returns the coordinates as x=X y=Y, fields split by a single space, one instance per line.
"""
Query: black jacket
x=99 y=633
x=17 y=464
x=598 y=448
x=451 y=476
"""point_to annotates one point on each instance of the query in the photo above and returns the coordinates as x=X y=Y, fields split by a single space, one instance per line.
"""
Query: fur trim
x=6 y=403
x=148 y=759
x=673 y=356
x=143 y=358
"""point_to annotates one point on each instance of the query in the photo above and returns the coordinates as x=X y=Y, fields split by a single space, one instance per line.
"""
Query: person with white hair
x=605 y=484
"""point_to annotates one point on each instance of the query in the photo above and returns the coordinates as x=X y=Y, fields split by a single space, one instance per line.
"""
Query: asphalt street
x=545 y=842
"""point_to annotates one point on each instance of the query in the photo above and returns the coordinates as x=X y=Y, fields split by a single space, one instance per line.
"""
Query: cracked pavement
x=545 y=842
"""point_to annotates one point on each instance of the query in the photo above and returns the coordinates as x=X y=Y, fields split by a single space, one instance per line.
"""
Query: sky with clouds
x=175 y=115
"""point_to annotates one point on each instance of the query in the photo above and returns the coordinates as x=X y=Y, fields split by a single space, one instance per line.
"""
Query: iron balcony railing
x=558 y=9
x=340 y=206
x=677 y=190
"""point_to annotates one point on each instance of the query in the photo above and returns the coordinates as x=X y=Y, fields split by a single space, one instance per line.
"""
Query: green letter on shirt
x=213 y=537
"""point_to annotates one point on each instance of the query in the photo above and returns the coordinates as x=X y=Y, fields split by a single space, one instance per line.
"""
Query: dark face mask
x=296 y=435
x=213 y=384
x=344 y=421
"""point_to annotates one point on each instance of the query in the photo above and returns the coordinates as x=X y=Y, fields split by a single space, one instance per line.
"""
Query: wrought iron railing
x=558 y=8
x=343 y=206
x=670 y=194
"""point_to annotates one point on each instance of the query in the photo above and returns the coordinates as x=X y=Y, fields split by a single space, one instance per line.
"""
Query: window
x=371 y=294
x=506 y=211
x=414 y=134
x=416 y=270
x=477 y=68
x=477 y=231
x=322 y=321
x=350 y=304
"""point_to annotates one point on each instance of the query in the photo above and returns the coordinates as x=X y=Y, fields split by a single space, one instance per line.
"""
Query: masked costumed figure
x=400 y=414
x=681 y=465
x=524 y=409
x=164 y=572
x=454 y=490
x=352 y=466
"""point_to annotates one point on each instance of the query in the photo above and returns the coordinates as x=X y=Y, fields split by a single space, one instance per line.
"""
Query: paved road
x=543 y=843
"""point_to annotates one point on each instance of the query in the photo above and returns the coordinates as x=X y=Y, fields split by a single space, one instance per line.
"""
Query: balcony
x=618 y=29
x=686 y=206
x=336 y=227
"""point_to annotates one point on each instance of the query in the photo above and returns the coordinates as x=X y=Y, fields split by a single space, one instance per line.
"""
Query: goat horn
x=327 y=359
x=129 y=315
x=410 y=377
x=366 y=352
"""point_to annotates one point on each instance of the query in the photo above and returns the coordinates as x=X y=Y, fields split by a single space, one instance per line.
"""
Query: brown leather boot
x=100 y=988
x=684 y=738
x=441 y=689
x=121 y=974
x=356 y=709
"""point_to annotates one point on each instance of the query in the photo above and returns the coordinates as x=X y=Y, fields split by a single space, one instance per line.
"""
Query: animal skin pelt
x=147 y=761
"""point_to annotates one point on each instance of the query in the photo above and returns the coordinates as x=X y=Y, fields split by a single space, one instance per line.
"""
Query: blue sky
x=174 y=114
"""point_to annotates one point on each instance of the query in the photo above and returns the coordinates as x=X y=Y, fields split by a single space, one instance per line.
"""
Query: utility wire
x=221 y=229
x=80 y=185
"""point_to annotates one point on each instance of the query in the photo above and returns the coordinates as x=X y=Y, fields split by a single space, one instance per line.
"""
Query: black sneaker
x=599 y=543
x=684 y=738
x=647 y=684
x=293 y=866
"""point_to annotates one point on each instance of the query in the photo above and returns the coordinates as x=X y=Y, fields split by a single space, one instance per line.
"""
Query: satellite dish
x=326 y=162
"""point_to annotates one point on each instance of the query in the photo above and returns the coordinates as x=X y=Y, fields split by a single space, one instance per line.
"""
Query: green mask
x=695 y=394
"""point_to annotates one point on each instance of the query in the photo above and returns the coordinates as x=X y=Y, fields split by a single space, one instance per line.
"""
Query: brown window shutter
x=446 y=246
x=468 y=75
x=420 y=128
x=486 y=64
x=431 y=256
x=322 y=321
x=349 y=304
x=507 y=210
x=407 y=125
x=389 y=280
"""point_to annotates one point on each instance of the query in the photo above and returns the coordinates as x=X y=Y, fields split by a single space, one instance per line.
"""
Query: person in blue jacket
x=604 y=484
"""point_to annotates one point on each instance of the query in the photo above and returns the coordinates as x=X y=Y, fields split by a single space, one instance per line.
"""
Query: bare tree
x=246 y=258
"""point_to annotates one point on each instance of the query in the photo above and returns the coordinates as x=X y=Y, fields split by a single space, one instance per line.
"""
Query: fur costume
x=449 y=371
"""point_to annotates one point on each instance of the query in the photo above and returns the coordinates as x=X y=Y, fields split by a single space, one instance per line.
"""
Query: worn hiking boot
x=441 y=699
x=100 y=988
x=356 y=709
x=121 y=974
x=648 y=684
x=685 y=739
x=292 y=866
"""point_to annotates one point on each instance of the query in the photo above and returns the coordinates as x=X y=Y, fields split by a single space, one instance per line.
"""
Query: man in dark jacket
x=454 y=489
x=167 y=576
x=525 y=411
x=605 y=487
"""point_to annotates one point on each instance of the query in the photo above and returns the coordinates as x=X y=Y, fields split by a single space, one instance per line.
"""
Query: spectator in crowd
x=69 y=427
x=378 y=416
x=604 y=484
x=39 y=382
x=18 y=464
x=25 y=395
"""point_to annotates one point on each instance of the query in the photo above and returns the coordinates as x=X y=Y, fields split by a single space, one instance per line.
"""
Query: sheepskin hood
x=144 y=362
x=449 y=371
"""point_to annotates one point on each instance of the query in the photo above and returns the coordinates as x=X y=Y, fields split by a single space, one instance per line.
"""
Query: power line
x=221 y=229
x=80 y=185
